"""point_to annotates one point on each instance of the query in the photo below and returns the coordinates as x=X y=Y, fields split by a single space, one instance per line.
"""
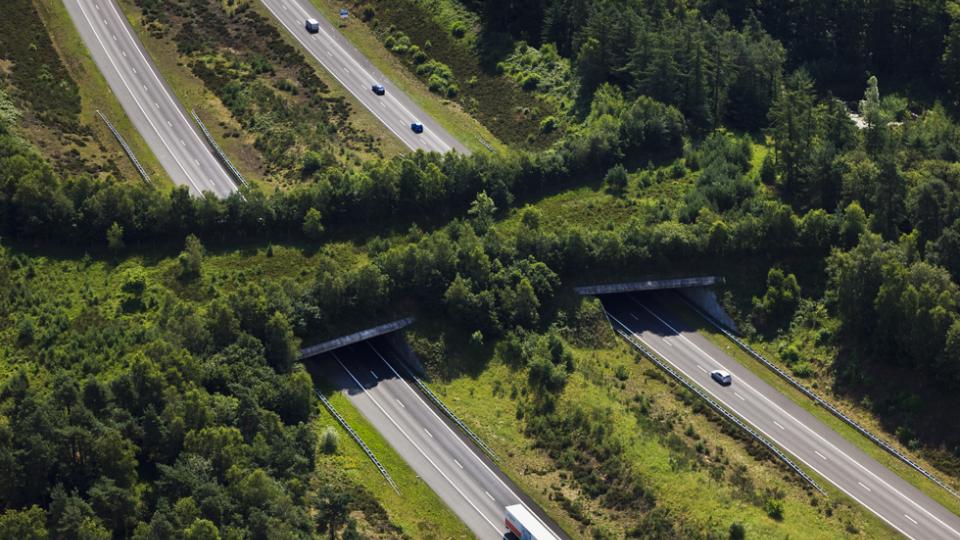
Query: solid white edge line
x=804 y=426
x=805 y=462
x=415 y=445
x=462 y=443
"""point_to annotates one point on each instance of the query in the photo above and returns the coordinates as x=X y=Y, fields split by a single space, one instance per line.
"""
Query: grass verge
x=453 y=118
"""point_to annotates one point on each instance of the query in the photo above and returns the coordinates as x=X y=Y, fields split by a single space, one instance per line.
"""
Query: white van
x=313 y=26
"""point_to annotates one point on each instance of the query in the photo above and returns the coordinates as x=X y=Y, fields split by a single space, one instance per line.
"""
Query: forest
x=164 y=399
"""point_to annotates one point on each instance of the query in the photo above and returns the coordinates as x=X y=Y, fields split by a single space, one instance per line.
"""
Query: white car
x=721 y=376
x=312 y=25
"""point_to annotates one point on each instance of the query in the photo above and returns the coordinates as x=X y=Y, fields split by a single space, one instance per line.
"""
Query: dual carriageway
x=378 y=387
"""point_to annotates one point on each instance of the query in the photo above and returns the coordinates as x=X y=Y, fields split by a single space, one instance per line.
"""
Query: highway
x=895 y=501
x=146 y=98
x=466 y=481
x=394 y=109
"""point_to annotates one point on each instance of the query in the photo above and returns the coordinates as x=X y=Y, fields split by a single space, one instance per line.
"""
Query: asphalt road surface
x=146 y=98
x=473 y=488
x=394 y=109
x=894 y=500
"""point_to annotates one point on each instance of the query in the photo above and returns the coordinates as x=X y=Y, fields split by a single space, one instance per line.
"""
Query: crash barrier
x=216 y=148
x=126 y=148
x=624 y=331
x=356 y=437
x=818 y=400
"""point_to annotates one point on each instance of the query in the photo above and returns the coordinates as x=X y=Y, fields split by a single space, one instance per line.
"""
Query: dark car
x=721 y=377
x=417 y=127
x=378 y=89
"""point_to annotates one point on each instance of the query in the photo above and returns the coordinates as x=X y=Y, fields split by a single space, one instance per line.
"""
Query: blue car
x=378 y=89
x=417 y=127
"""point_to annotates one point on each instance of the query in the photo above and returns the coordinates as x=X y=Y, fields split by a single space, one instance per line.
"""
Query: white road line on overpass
x=415 y=445
x=470 y=451
x=739 y=396
x=805 y=427
x=911 y=519
x=701 y=368
x=427 y=431
x=820 y=455
x=374 y=375
x=458 y=464
x=489 y=495
x=864 y=486
x=768 y=435
x=134 y=96
x=165 y=93
x=402 y=406
x=778 y=425
x=634 y=315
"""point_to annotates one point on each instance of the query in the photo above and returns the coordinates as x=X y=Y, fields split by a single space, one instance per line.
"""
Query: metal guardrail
x=820 y=401
x=485 y=144
x=713 y=404
x=436 y=400
x=359 y=441
x=126 y=148
x=219 y=151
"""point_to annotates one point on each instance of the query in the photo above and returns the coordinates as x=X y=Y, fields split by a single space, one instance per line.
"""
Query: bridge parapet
x=355 y=337
x=650 y=285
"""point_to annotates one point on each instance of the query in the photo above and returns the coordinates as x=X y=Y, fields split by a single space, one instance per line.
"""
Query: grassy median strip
x=454 y=119
x=903 y=470
x=417 y=509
